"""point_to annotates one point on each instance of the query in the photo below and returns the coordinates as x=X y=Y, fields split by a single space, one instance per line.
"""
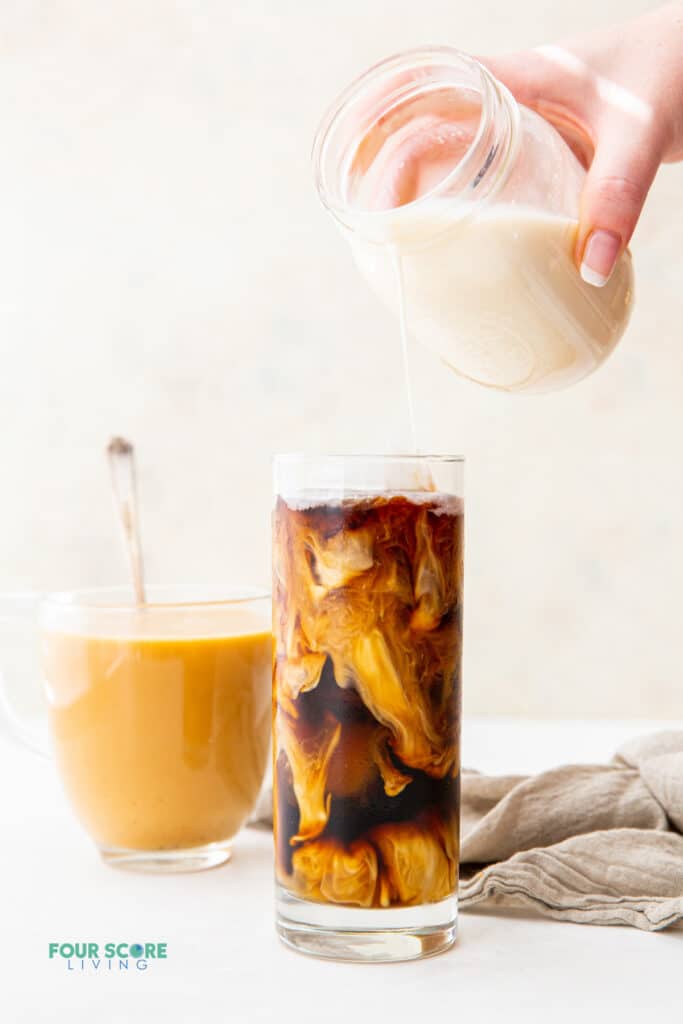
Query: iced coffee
x=367 y=606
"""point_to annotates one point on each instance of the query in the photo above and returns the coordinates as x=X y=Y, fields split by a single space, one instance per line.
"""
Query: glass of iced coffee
x=367 y=623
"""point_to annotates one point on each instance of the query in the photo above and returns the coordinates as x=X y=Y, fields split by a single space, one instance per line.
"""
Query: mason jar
x=461 y=207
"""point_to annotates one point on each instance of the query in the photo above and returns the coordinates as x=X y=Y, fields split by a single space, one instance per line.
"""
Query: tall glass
x=367 y=622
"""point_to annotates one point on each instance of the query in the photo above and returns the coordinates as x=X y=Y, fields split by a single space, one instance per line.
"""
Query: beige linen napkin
x=595 y=844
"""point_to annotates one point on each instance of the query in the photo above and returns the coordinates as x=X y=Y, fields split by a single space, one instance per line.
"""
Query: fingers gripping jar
x=461 y=207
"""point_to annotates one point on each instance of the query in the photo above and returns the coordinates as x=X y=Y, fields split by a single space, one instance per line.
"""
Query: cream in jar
x=461 y=208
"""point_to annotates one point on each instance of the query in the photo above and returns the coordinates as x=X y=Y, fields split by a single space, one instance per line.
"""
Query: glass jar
x=461 y=207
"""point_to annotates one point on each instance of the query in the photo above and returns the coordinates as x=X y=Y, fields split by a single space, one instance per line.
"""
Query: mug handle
x=18 y=634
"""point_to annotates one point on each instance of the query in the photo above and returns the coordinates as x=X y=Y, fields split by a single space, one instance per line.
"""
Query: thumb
x=624 y=167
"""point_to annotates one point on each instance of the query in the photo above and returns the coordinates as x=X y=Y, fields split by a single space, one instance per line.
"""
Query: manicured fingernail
x=599 y=257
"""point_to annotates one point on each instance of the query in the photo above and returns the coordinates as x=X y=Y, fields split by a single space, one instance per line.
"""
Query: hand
x=617 y=97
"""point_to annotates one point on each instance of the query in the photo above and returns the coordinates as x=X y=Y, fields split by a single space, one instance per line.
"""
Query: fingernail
x=599 y=256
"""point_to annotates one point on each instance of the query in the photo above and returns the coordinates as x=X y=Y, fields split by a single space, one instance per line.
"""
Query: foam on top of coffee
x=439 y=502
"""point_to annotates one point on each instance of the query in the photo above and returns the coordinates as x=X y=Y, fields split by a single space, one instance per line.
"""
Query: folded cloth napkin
x=595 y=844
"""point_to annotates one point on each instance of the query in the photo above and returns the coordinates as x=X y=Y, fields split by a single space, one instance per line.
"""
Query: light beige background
x=166 y=272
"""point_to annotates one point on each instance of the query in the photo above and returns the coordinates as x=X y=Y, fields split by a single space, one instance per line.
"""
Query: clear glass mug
x=461 y=208
x=367 y=624
x=159 y=717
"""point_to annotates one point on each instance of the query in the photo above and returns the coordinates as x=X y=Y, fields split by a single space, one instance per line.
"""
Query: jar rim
x=485 y=149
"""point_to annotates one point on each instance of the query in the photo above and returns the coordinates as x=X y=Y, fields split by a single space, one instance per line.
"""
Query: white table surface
x=225 y=962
